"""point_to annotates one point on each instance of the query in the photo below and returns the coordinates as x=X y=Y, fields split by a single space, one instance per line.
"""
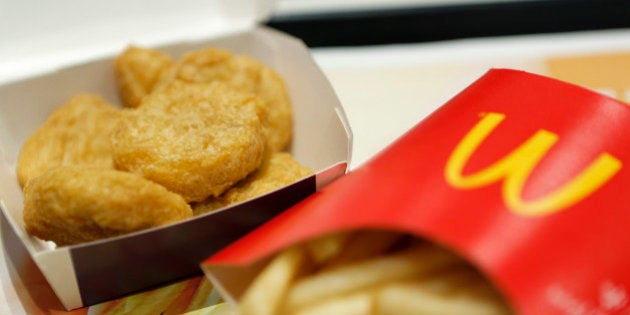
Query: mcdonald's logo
x=513 y=170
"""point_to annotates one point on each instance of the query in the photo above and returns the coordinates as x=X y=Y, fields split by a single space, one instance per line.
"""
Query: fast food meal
x=76 y=133
x=193 y=130
x=372 y=272
x=74 y=204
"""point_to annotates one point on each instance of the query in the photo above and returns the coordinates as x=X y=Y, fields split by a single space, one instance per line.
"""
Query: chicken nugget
x=246 y=73
x=137 y=70
x=77 y=133
x=74 y=204
x=195 y=139
x=279 y=170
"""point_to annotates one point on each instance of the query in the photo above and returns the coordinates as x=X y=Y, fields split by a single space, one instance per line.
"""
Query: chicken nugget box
x=524 y=176
x=92 y=272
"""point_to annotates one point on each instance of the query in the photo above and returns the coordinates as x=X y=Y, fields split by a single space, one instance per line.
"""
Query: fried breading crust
x=244 y=73
x=137 y=70
x=70 y=205
x=278 y=171
x=77 y=133
x=195 y=139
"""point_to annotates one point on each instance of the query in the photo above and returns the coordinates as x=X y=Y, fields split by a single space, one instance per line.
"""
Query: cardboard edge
x=343 y=118
x=239 y=278
x=275 y=38
x=328 y=175
x=59 y=271
x=61 y=280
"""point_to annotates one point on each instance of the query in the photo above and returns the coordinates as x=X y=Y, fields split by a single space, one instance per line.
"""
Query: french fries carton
x=520 y=175
x=89 y=273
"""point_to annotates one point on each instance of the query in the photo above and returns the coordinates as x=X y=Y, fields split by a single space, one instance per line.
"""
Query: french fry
x=364 y=244
x=370 y=272
x=265 y=294
x=325 y=248
x=352 y=277
x=417 y=298
x=450 y=279
x=456 y=290
x=355 y=304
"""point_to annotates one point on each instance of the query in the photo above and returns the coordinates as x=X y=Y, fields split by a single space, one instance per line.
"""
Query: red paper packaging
x=524 y=176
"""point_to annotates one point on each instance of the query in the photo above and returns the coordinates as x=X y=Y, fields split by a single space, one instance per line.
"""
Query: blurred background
x=368 y=22
x=394 y=62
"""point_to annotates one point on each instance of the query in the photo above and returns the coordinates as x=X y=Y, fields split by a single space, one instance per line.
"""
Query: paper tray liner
x=522 y=175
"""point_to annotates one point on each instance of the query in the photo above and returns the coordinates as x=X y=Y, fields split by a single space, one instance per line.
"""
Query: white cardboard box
x=89 y=273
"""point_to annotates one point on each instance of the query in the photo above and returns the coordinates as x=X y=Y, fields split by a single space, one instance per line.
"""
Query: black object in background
x=444 y=22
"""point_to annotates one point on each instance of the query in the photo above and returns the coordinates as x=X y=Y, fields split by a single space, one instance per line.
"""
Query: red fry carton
x=522 y=175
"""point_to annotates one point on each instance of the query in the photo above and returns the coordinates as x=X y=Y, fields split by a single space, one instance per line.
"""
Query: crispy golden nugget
x=195 y=139
x=246 y=73
x=280 y=170
x=77 y=133
x=137 y=70
x=74 y=204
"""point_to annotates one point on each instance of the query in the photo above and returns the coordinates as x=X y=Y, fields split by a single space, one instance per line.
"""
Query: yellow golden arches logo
x=514 y=169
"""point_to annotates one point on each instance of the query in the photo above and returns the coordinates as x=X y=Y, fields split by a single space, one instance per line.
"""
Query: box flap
x=41 y=36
